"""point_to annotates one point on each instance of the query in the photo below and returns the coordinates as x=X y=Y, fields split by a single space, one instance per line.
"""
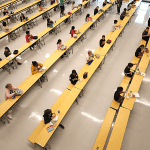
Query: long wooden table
x=136 y=82
x=104 y=130
x=32 y=79
x=7 y=4
x=118 y=131
x=4 y=34
x=19 y=10
x=126 y=80
x=41 y=35
x=74 y=92
x=44 y=136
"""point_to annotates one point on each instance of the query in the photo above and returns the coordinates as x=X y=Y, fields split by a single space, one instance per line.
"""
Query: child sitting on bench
x=48 y=116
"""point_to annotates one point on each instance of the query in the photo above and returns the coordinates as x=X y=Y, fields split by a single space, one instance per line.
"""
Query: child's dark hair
x=115 y=21
x=59 y=40
x=119 y=89
x=35 y=63
x=27 y=32
x=47 y=111
x=130 y=64
x=74 y=71
x=88 y=15
x=72 y=28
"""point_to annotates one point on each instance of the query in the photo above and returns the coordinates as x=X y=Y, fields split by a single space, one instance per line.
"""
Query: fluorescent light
x=141 y=13
x=143 y=101
x=35 y=115
x=143 y=7
x=47 y=55
x=146 y=79
x=91 y=117
x=55 y=70
x=56 y=91
x=19 y=57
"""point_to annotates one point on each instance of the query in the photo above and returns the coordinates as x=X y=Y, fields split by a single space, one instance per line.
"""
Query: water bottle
x=13 y=97
x=130 y=93
x=138 y=71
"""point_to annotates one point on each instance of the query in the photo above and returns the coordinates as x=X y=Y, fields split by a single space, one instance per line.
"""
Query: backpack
x=85 y=75
x=15 y=52
x=121 y=17
x=26 y=18
x=101 y=10
x=50 y=24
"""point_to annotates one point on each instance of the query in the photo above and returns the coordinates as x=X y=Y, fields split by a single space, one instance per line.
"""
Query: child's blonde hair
x=89 y=51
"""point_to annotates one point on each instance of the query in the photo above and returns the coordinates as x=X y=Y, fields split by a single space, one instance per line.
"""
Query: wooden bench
x=95 y=64
x=125 y=21
x=99 y=144
x=104 y=130
x=137 y=79
x=41 y=125
x=102 y=51
x=91 y=69
x=44 y=136
x=134 y=87
x=19 y=11
x=126 y=80
x=32 y=79
x=40 y=38
x=112 y=36
x=118 y=131
x=25 y=86
x=2 y=35
x=8 y=4
x=74 y=92
x=136 y=82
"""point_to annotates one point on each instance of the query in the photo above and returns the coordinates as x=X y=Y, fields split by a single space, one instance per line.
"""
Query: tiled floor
x=83 y=121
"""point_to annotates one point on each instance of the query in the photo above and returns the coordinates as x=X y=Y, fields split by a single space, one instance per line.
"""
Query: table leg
x=7 y=119
x=40 y=83
x=77 y=101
